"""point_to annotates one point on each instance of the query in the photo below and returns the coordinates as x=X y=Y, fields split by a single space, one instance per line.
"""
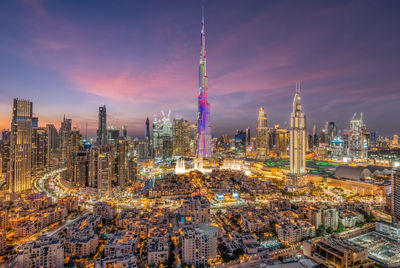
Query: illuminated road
x=39 y=184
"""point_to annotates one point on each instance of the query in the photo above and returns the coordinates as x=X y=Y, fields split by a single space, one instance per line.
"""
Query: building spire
x=203 y=37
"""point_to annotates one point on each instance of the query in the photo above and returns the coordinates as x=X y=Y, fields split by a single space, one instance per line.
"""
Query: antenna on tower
x=299 y=86
x=86 y=132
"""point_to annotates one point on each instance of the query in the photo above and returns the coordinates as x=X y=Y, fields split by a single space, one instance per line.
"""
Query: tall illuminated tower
x=262 y=138
x=21 y=146
x=395 y=196
x=203 y=124
x=298 y=144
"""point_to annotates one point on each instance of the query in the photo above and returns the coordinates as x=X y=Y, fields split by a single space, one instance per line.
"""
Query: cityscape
x=216 y=183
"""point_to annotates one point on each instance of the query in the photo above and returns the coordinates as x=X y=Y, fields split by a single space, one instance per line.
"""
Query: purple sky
x=141 y=57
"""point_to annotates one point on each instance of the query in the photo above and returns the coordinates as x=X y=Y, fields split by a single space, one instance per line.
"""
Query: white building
x=298 y=145
x=199 y=244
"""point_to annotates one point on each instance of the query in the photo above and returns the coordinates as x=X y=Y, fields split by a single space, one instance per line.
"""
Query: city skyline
x=126 y=149
x=75 y=75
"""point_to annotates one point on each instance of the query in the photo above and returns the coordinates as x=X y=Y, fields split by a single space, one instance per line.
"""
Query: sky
x=141 y=57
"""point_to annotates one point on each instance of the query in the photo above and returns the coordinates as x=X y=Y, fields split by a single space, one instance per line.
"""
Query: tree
x=320 y=231
x=340 y=228
x=359 y=224
x=329 y=230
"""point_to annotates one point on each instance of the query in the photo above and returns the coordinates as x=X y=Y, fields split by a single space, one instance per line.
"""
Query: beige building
x=199 y=244
x=69 y=202
x=324 y=216
x=4 y=220
x=43 y=252
x=105 y=209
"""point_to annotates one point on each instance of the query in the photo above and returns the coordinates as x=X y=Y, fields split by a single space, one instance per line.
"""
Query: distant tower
x=248 y=136
x=124 y=132
x=395 y=139
x=102 y=126
x=262 y=137
x=147 y=138
x=203 y=124
x=358 y=145
x=147 y=129
x=298 y=143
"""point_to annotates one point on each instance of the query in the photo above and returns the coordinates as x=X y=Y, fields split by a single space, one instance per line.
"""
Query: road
x=65 y=225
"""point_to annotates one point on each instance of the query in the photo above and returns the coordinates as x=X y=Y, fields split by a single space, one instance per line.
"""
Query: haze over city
x=139 y=58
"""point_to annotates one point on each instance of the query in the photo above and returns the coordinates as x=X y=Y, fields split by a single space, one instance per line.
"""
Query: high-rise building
x=331 y=130
x=358 y=145
x=298 y=144
x=281 y=141
x=5 y=152
x=122 y=162
x=204 y=148
x=39 y=150
x=395 y=199
x=52 y=145
x=262 y=137
x=35 y=122
x=162 y=138
x=104 y=174
x=248 y=137
x=240 y=144
x=147 y=129
x=124 y=132
x=112 y=135
x=395 y=139
x=102 y=126
x=21 y=146
x=149 y=152
x=181 y=137
x=65 y=140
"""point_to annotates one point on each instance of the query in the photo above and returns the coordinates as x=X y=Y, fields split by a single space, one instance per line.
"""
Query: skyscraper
x=52 y=145
x=65 y=139
x=122 y=162
x=281 y=141
x=149 y=152
x=203 y=124
x=102 y=126
x=181 y=137
x=358 y=145
x=148 y=129
x=331 y=130
x=21 y=146
x=162 y=138
x=240 y=144
x=298 y=144
x=124 y=132
x=40 y=155
x=262 y=137
x=248 y=136
x=395 y=196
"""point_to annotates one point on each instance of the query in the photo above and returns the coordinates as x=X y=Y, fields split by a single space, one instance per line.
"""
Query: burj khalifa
x=203 y=123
